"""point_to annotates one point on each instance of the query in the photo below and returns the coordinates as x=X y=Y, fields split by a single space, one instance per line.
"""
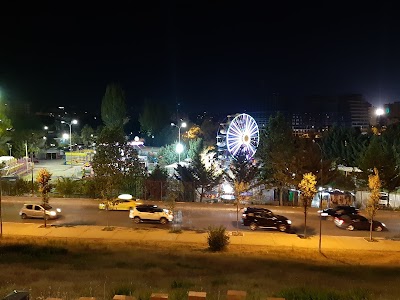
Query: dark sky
x=207 y=56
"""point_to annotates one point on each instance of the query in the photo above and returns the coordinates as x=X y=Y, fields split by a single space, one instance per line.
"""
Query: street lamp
x=320 y=205
x=179 y=146
x=70 y=131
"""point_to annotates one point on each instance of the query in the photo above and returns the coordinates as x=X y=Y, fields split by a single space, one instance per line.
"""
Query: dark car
x=331 y=213
x=264 y=218
x=358 y=222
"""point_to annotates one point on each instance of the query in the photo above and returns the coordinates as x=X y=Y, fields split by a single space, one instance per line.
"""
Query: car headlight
x=289 y=222
x=58 y=210
x=52 y=213
x=383 y=224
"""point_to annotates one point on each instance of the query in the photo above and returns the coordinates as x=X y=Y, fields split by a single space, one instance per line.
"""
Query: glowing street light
x=379 y=112
x=70 y=131
x=179 y=146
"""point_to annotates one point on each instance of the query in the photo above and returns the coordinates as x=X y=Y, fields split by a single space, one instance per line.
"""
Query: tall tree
x=242 y=174
x=374 y=185
x=154 y=118
x=156 y=183
x=209 y=130
x=107 y=174
x=277 y=152
x=344 y=145
x=5 y=129
x=381 y=155
x=113 y=110
x=88 y=135
x=308 y=191
x=205 y=178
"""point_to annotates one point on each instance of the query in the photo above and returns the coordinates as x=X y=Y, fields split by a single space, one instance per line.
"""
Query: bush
x=65 y=186
x=217 y=238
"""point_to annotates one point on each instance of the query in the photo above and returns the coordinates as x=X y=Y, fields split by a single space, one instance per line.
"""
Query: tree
x=308 y=191
x=209 y=131
x=277 y=152
x=205 y=178
x=106 y=170
x=113 y=110
x=374 y=185
x=381 y=155
x=157 y=183
x=88 y=135
x=154 y=118
x=242 y=175
x=167 y=155
x=43 y=179
x=344 y=145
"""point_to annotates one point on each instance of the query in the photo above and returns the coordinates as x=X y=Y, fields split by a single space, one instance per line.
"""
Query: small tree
x=374 y=184
x=308 y=190
x=239 y=188
x=43 y=179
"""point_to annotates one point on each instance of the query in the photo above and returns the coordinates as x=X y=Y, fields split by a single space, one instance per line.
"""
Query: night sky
x=206 y=56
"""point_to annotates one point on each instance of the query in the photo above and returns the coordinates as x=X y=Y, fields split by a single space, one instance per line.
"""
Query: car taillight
x=340 y=222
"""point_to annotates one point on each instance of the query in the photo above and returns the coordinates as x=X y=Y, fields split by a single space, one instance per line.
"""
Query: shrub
x=65 y=186
x=217 y=238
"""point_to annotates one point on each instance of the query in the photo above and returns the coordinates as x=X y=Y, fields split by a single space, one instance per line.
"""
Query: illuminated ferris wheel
x=238 y=134
x=242 y=136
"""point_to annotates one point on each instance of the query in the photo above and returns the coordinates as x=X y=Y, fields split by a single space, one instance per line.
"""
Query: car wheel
x=282 y=228
x=23 y=216
x=136 y=220
x=350 y=227
x=253 y=226
x=163 y=221
x=378 y=228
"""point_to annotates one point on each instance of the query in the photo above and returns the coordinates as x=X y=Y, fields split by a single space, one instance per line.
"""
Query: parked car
x=150 y=212
x=39 y=211
x=256 y=217
x=384 y=200
x=331 y=213
x=123 y=202
x=358 y=222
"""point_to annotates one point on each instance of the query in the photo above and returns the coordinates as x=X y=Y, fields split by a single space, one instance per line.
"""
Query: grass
x=70 y=268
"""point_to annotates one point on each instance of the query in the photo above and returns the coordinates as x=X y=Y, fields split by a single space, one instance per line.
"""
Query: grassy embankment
x=70 y=269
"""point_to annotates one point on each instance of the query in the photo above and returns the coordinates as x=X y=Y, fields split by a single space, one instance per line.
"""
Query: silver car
x=39 y=211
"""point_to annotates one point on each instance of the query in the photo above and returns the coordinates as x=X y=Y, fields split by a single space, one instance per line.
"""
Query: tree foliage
x=43 y=179
x=88 y=135
x=113 y=110
x=308 y=191
x=344 y=145
x=154 y=117
x=374 y=184
x=116 y=164
x=277 y=152
x=381 y=155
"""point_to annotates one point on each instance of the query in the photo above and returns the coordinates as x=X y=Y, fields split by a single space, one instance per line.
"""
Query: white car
x=39 y=211
x=141 y=213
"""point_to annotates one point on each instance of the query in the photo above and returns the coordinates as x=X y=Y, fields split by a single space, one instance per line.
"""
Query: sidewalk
x=154 y=235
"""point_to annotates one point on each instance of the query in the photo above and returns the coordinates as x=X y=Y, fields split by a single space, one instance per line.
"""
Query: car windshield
x=47 y=207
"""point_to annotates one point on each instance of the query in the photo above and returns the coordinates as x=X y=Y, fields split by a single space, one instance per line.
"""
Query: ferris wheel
x=242 y=136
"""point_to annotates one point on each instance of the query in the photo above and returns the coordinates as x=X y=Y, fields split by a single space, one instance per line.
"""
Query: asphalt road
x=195 y=216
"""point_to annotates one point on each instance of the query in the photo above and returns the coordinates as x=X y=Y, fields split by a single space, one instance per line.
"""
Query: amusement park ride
x=238 y=134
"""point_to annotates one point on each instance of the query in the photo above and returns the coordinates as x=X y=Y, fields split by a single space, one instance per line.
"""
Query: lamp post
x=320 y=206
x=70 y=132
x=179 y=147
